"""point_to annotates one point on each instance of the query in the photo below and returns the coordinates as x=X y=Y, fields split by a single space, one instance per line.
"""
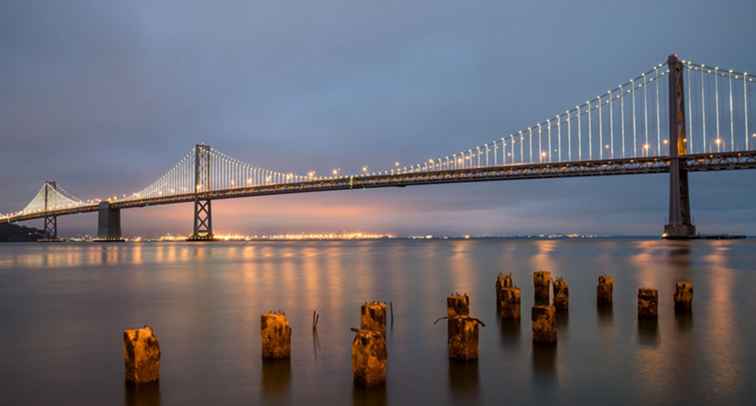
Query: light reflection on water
x=65 y=304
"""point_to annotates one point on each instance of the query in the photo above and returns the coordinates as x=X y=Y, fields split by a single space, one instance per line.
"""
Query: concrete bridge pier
x=108 y=223
x=680 y=225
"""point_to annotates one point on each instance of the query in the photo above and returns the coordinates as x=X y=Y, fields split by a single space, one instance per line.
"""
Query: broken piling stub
x=509 y=304
x=373 y=316
x=541 y=287
x=561 y=294
x=457 y=304
x=369 y=357
x=463 y=342
x=141 y=355
x=544 y=324
x=648 y=303
x=503 y=281
x=683 y=296
x=604 y=290
x=276 y=335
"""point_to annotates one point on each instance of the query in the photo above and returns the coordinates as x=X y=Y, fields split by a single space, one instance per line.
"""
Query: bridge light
x=364 y=169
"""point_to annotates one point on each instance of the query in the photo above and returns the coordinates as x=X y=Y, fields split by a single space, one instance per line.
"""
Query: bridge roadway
x=607 y=167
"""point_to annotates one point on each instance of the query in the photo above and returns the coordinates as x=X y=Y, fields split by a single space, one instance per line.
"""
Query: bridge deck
x=608 y=167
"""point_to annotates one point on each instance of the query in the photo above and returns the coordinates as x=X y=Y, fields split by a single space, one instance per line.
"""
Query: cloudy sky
x=103 y=96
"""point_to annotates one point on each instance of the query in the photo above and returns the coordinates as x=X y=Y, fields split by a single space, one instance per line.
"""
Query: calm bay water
x=63 y=308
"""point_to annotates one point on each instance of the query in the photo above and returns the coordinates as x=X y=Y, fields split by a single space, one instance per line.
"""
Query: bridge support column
x=51 y=222
x=108 y=223
x=51 y=228
x=680 y=225
x=203 y=221
x=203 y=213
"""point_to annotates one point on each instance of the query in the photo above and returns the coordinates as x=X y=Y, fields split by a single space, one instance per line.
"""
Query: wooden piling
x=544 y=324
x=604 y=290
x=141 y=355
x=503 y=281
x=457 y=304
x=276 y=335
x=542 y=287
x=648 y=303
x=373 y=316
x=561 y=294
x=683 y=296
x=463 y=342
x=509 y=304
x=369 y=357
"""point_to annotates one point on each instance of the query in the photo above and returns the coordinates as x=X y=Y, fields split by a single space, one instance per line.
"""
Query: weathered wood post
x=544 y=324
x=276 y=335
x=509 y=304
x=369 y=357
x=604 y=290
x=457 y=304
x=683 y=296
x=541 y=287
x=373 y=316
x=561 y=294
x=648 y=303
x=463 y=343
x=503 y=281
x=141 y=355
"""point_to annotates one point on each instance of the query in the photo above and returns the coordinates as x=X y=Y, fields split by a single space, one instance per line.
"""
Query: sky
x=104 y=96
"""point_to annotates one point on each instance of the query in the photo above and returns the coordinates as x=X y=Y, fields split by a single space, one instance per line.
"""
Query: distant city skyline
x=100 y=97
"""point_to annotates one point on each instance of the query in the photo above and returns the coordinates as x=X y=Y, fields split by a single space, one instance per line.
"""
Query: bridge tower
x=679 y=226
x=51 y=222
x=203 y=214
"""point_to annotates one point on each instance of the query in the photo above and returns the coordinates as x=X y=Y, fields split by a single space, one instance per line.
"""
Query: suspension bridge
x=677 y=117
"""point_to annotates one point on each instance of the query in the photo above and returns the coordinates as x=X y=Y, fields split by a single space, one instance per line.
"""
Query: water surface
x=64 y=306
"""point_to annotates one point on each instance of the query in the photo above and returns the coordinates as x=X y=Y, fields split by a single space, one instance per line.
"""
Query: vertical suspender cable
x=689 y=73
x=746 y=109
x=569 y=136
x=645 y=114
x=590 y=131
x=718 y=141
x=601 y=130
x=635 y=140
x=703 y=112
x=658 y=125
x=622 y=119
x=548 y=122
x=580 y=141
x=611 y=125
x=732 y=118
